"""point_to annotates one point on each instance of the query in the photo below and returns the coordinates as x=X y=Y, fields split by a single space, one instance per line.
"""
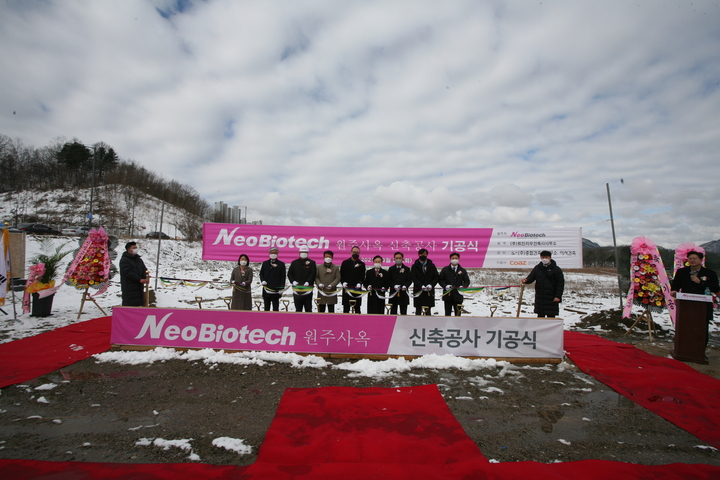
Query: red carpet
x=666 y=387
x=32 y=357
x=346 y=432
x=350 y=433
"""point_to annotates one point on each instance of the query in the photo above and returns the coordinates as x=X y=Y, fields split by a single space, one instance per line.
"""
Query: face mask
x=273 y=256
x=398 y=261
x=545 y=261
x=378 y=265
x=243 y=263
x=454 y=261
x=303 y=255
x=355 y=256
x=328 y=260
x=422 y=258
x=134 y=251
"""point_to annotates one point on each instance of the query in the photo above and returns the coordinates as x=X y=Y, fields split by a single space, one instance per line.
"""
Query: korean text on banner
x=478 y=247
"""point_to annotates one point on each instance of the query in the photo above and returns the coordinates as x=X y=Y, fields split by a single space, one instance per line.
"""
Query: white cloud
x=401 y=113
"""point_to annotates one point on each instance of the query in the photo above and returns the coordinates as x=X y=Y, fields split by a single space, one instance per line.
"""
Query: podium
x=691 y=327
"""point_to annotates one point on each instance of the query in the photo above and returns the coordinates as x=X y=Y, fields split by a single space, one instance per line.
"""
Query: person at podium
x=698 y=280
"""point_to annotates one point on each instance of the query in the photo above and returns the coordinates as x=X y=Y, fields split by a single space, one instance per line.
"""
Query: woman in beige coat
x=326 y=280
x=241 y=278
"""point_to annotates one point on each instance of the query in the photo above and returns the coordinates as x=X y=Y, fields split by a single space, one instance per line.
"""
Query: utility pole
x=157 y=261
x=617 y=254
x=92 y=189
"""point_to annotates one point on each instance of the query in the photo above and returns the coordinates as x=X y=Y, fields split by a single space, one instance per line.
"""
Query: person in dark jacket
x=400 y=280
x=696 y=279
x=453 y=277
x=424 y=276
x=302 y=271
x=352 y=275
x=549 y=287
x=272 y=279
x=377 y=283
x=133 y=277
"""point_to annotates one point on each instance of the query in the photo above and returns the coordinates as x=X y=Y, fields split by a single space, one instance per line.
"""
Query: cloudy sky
x=391 y=113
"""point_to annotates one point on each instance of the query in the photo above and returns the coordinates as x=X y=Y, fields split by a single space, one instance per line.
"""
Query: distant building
x=226 y=214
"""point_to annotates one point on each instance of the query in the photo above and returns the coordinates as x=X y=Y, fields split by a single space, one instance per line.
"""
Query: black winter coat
x=302 y=270
x=683 y=283
x=272 y=272
x=400 y=275
x=420 y=278
x=449 y=277
x=132 y=270
x=352 y=272
x=550 y=285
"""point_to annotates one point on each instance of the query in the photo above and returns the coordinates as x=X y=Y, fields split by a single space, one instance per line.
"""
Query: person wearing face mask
x=327 y=280
x=272 y=278
x=241 y=278
x=424 y=276
x=400 y=280
x=453 y=277
x=302 y=271
x=352 y=275
x=132 y=277
x=549 y=287
x=377 y=281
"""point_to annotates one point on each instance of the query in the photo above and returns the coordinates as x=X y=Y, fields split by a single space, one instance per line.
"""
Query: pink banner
x=223 y=241
x=478 y=247
x=267 y=331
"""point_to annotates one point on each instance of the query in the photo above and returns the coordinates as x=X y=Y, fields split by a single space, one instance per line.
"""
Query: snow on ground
x=585 y=294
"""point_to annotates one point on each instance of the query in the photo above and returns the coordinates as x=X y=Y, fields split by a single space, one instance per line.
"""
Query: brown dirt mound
x=612 y=321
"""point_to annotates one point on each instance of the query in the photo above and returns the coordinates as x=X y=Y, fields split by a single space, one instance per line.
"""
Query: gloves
x=307 y=284
x=295 y=284
x=448 y=287
x=242 y=284
x=320 y=285
x=404 y=288
x=264 y=283
x=344 y=284
x=369 y=287
x=358 y=286
x=397 y=287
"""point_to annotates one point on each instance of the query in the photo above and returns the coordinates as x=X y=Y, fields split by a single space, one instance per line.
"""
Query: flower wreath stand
x=649 y=284
x=91 y=268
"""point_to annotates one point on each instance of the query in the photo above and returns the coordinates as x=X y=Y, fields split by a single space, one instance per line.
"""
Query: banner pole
x=522 y=289
x=147 y=288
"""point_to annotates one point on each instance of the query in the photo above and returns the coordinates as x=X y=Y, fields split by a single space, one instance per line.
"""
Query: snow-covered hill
x=123 y=211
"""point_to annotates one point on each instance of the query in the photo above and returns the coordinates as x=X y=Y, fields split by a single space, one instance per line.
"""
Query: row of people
x=399 y=280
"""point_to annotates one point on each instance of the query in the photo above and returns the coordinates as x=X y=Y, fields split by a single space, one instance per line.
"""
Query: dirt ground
x=543 y=413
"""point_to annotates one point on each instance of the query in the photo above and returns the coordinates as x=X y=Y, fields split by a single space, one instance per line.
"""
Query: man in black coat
x=272 y=278
x=352 y=275
x=377 y=282
x=400 y=280
x=549 y=287
x=302 y=271
x=425 y=276
x=696 y=279
x=453 y=277
x=132 y=277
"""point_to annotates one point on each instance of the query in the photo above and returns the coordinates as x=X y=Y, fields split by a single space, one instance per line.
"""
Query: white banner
x=478 y=337
x=521 y=247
